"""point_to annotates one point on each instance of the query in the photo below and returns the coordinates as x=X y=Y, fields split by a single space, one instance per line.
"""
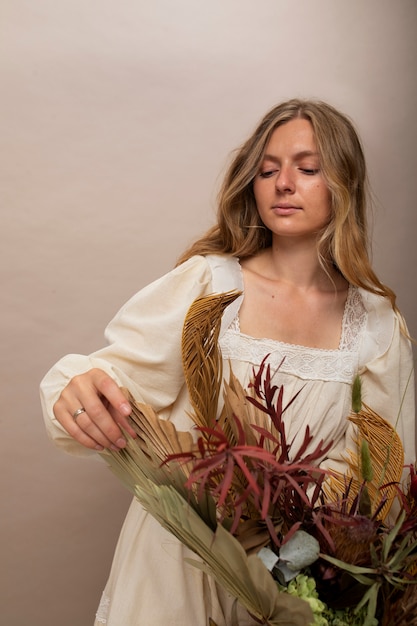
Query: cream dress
x=149 y=583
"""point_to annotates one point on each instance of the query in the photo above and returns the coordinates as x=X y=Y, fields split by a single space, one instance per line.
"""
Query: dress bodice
x=338 y=365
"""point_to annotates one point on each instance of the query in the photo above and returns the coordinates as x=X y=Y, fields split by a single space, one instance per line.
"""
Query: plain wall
x=117 y=119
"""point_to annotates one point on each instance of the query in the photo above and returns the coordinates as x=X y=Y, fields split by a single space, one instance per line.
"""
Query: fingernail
x=125 y=408
x=99 y=448
x=120 y=443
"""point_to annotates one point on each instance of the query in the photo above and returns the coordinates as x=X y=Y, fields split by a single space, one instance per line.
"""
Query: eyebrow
x=297 y=155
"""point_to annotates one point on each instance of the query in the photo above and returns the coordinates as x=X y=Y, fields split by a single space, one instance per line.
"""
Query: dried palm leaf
x=194 y=523
x=201 y=358
x=387 y=457
x=138 y=461
x=244 y=577
x=144 y=456
x=253 y=534
x=157 y=437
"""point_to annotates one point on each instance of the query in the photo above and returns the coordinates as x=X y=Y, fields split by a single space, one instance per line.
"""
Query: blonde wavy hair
x=345 y=241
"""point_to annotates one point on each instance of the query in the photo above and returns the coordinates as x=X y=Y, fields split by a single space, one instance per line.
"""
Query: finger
x=122 y=421
x=97 y=419
x=111 y=391
x=115 y=401
x=91 y=435
x=99 y=442
x=83 y=428
x=93 y=392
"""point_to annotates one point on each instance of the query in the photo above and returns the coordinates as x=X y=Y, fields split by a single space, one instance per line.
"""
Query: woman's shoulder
x=224 y=269
x=375 y=301
x=226 y=275
x=223 y=261
x=191 y=279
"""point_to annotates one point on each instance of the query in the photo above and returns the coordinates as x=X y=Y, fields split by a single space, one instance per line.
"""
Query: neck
x=297 y=262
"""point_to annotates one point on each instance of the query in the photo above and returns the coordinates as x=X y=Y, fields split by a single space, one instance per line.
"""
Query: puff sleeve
x=388 y=388
x=144 y=346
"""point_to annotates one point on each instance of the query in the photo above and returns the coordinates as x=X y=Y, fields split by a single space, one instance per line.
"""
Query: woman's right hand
x=92 y=408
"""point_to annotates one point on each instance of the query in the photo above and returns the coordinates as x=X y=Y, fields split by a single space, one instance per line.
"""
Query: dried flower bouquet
x=294 y=544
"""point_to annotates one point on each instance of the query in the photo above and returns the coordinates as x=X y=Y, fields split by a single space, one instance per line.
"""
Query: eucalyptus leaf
x=299 y=551
x=268 y=558
x=284 y=574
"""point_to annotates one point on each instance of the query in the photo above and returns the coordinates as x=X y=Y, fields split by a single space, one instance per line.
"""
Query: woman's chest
x=308 y=319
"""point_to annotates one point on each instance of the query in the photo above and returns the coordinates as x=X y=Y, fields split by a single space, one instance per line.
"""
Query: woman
x=292 y=236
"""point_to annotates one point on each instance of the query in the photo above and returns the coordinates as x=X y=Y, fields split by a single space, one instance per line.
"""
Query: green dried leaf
x=355 y=570
x=357 y=394
x=366 y=462
x=245 y=578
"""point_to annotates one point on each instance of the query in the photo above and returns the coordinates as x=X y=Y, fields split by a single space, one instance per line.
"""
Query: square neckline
x=343 y=340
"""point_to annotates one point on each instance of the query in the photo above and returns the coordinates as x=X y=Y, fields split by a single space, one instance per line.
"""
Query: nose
x=284 y=181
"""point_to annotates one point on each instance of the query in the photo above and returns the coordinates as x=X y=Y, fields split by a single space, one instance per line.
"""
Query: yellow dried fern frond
x=387 y=457
x=201 y=357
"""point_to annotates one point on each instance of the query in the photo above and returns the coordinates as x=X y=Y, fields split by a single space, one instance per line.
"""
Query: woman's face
x=291 y=195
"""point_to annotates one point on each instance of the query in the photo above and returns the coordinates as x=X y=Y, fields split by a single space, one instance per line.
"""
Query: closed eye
x=268 y=173
x=309 y=172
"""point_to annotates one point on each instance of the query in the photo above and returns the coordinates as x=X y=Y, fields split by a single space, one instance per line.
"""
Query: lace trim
x=308 y=363
x=103 y=609
x=354 y=320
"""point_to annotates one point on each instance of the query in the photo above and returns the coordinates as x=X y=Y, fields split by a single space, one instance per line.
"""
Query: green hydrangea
x=304 y=587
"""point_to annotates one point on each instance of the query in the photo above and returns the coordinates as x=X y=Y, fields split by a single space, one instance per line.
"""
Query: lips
x=284 y=208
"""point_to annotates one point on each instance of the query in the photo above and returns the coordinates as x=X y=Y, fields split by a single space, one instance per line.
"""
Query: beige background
x=116 y=121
